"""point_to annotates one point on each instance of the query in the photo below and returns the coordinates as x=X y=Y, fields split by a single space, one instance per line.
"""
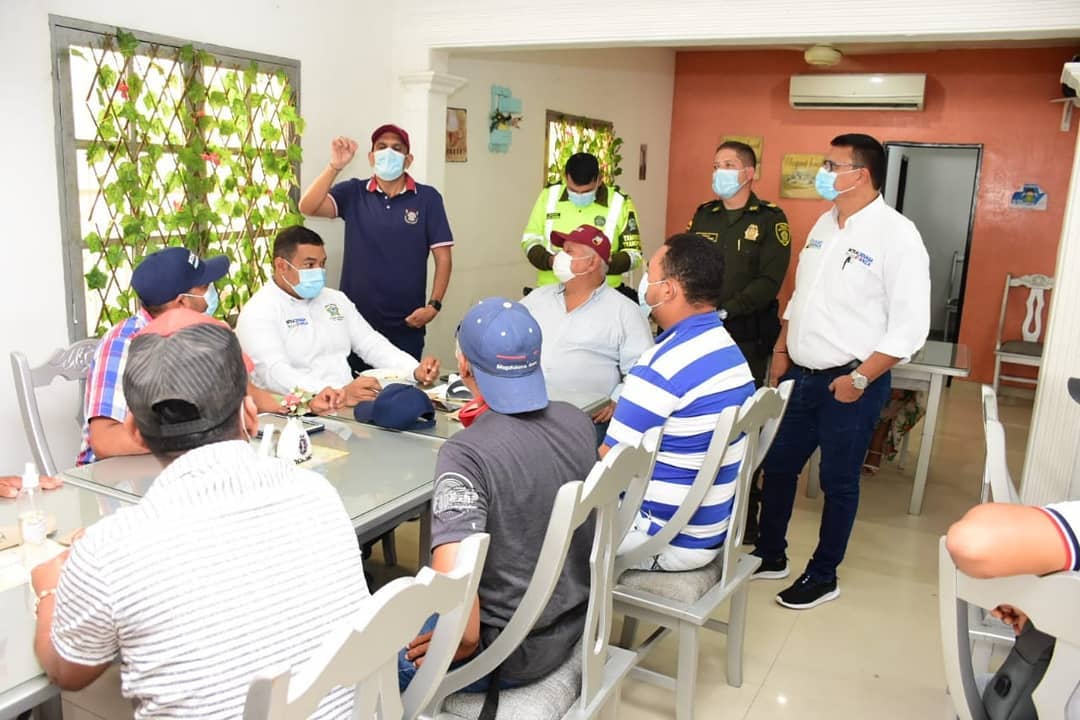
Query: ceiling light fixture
x=822 y=55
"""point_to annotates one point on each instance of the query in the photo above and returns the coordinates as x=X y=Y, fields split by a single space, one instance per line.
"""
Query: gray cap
x=1074 y=388
x=200 y=367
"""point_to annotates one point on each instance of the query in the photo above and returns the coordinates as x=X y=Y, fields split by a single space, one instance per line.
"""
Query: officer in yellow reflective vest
x=582 y=200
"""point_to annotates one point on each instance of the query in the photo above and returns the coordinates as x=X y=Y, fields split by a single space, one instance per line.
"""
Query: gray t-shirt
x=500 y=476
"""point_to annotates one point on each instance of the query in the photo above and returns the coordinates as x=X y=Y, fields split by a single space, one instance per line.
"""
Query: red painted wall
x=998 y=98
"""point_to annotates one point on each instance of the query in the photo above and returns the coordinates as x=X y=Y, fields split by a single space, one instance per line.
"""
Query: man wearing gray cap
x=231 y=563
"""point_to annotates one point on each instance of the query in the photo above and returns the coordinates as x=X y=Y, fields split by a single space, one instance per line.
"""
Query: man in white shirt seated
x=299 y=332
x=230 y=565
x=593 y=334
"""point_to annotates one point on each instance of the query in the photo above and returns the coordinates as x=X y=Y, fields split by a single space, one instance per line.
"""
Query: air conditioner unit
x=858 y=92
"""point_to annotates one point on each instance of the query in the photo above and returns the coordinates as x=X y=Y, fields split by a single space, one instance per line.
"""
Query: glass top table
x=383 y=475
x=22 y=683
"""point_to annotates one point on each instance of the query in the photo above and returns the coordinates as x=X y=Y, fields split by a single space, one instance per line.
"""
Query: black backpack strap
x=491 y=697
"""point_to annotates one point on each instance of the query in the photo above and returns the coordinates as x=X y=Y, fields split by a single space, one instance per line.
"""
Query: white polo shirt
x=305 y=344
x=859 y=290
x=590 y=349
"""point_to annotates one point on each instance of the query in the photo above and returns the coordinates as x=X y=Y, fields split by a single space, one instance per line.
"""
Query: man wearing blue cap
x=170 y=278
x=500 y=475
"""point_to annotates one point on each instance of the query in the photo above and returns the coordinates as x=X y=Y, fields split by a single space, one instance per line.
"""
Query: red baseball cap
x=170 y=321
x=588 y=236
x=388 y=128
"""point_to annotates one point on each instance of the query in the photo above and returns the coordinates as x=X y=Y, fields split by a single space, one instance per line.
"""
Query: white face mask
x=643 y=288
x=563 y=266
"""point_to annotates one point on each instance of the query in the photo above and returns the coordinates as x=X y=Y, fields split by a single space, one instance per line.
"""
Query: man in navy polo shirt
x=392 y=222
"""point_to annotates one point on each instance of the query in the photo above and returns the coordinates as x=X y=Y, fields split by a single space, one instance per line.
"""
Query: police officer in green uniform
x=756 y=239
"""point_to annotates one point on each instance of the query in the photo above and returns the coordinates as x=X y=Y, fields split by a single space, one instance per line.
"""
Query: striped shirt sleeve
x=83 y=628
x=647 y=400
x=1066 y=518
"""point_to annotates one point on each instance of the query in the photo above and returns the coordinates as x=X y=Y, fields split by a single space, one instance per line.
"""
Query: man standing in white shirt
x=861 y=305
x=593 y=334
x=299 y=332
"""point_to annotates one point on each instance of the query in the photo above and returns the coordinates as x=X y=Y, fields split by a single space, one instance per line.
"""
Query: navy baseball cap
x=398 y=407
x=501 y=340
x=163 y=275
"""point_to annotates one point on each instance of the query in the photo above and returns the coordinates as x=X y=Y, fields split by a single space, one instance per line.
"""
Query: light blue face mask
x=725 y=182
x=389 y=164
x=312 y=281
x=825 y=183
x=582 y=200
x=211 y=299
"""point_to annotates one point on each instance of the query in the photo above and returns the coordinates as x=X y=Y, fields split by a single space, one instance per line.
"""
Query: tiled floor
x=873 y=653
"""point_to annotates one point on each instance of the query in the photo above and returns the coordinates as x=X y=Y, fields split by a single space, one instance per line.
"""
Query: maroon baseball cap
x=388 y=128
x=588 y=236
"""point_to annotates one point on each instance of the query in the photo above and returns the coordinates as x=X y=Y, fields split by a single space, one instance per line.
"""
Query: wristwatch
x=437 y=304
x=859 y=380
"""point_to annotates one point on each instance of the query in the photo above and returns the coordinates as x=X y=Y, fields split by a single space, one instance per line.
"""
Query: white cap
x=30 y=476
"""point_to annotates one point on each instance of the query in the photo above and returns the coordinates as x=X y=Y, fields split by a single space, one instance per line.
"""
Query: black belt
x=841 y=370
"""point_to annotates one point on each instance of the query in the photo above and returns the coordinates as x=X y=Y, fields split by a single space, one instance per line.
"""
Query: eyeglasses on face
x=830 y=166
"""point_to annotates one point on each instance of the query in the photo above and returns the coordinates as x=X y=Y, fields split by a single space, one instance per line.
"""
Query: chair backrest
x=1050 y=602
x=1037 y=285
x=362 y=652
x=989 y=403
x=623 y=469
x=71 y=363
x=997 y=483
x=759 y=418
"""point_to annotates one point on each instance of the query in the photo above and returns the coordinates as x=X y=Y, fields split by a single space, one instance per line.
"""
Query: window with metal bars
x=163 y=142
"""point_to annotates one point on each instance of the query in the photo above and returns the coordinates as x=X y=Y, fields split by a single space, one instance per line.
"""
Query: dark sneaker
x=807 y=593
x=771 y=568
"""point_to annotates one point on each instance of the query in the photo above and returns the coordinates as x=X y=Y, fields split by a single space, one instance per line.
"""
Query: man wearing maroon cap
x=593 y=334
x=392 y=223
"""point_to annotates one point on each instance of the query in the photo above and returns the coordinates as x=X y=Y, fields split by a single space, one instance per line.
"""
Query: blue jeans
x=843 y=430
x=406 y=669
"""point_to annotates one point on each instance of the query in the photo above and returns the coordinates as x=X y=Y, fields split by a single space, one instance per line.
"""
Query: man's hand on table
x=361 y=390
x=46 y=576
x=327 y=400
x=11 y=484
x=427 y=372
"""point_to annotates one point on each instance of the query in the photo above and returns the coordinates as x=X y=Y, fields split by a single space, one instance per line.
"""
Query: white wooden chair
x=1028 y=350
x=71 y=363
x=1050 y=602
x=684 y=602
x=588 y=684
x=363 y=651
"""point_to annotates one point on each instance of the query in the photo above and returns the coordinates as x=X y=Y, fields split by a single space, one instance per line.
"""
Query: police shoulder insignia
x=783 y=234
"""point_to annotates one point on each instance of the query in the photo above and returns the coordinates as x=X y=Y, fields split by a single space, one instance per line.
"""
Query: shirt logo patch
x=710 y=236
x=814 y=243
x=752 y=232
x=853 y=254
x=295 y=322
x=453 y=493
x=553 y=215
x=599 y=221
x=333 y=311
x=412 y=216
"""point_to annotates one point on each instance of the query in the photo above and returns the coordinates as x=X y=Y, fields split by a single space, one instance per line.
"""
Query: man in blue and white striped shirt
x=682 y=384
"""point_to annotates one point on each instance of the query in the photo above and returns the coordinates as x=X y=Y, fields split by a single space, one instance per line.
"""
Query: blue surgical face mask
x=210 y=298
x=643 y=288
x=725 y=182
x=584 y=199
x=389 y=164
x=825 y=183
x=312 y=281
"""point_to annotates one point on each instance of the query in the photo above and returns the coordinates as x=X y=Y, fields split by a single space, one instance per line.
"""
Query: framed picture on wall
x=797 y=172
x=754 y=141
x=457 y=135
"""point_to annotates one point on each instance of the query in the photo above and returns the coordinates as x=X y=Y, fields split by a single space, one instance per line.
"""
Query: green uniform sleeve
x=772 y=266
x=534 y=231
x=627 y=254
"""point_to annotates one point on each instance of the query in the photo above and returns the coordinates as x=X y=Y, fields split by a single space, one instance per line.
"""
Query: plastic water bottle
x=33 y=526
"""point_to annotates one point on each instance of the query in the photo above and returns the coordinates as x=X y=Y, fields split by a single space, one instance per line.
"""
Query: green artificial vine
x=572 y=135
x=187 y=151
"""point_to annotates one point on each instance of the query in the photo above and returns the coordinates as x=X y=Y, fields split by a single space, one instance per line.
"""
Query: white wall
x=489 y=197
x=345 y=88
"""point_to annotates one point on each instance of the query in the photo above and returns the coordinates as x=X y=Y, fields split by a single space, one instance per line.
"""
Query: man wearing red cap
x=392 y=223
x=593 y=334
